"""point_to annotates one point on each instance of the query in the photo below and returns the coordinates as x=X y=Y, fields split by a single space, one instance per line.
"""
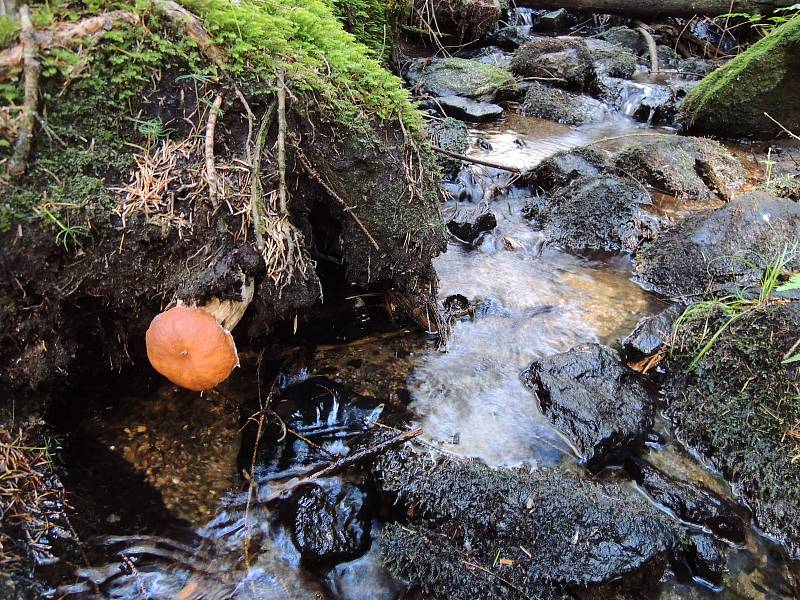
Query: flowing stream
x=536 y=300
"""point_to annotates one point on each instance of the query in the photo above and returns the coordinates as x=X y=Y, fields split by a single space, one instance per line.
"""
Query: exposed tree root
x=651 y=46
x=65 y=35
x=22 y=149
x=211 y=171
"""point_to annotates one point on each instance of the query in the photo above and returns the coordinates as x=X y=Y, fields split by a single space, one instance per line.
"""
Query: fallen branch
x=68 y=35
x=651 y=46
x=784 y=129
x=191 y=26
x=22 y=149
x=477 y=161
x=211 y=170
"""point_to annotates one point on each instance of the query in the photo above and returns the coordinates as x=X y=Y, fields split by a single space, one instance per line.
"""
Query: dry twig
x=22 y=149
x=214 y=191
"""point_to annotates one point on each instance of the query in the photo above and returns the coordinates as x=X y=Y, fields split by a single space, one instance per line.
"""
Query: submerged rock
x=461 y=77
x=689 y=502
x=699 y=253
x=650 y=334
x=733 y=99
x=561 y=106
x=612 y=60
x=563 y=61
x=330 y=522
x=595 y=401
x=738 y=408
x=555 y=530
x=685 y=167
x=706 y=560
x=598 y=213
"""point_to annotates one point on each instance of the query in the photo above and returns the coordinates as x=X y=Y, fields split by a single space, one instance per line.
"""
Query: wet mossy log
x=762 y=82
x=163 y=168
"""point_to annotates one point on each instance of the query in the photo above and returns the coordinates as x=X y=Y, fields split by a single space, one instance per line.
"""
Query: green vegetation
x=734 y=98
x=100 y=105
x=8 y=32
x=764 y=24
x=738 y=305
x=370 y=21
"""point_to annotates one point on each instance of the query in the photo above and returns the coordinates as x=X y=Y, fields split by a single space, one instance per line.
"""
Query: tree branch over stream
x=663 y=8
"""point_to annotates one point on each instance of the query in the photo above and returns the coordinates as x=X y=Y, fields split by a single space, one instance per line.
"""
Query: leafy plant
x=765 y=25
x=735 y=306
x=67 y=234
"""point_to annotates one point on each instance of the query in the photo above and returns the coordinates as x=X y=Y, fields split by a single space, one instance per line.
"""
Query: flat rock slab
x=595 y=401
x=468 y=110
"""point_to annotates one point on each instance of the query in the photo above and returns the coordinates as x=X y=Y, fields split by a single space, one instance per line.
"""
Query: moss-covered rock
x=733 y=99
x=740 y=408
x=561 y=106
x=563 y=61
x=461 y=77
x=452 y=135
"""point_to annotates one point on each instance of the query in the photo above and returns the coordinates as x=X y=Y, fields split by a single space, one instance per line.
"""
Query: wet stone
x=453 y=135
x=562 y=167
x=329 y=522
x=595 y=401
x=563 y=61
x=561 y=106
x=461 y=77
x=555 y=21
x=690 y=502
x=466 y=109
x=468 y=231
x=626 y=37
x=650 y=334
x=706 y=560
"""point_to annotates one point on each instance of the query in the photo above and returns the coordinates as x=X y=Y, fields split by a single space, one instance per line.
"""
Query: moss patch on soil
x=740 y=408
x=732 y=100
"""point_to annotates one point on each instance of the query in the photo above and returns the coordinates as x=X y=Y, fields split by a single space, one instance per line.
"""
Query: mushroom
x=190 y=348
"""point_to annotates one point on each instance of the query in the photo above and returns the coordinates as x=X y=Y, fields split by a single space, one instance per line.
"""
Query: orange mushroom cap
x=188 y=347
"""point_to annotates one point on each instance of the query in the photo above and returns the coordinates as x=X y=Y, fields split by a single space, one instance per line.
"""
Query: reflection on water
x=472 y=393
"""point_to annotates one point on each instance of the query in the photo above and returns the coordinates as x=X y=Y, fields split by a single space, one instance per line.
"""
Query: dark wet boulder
x=465 y=109
x=555 y=21
x=650 y=334
x=564 y=166
x=699 y=254
x=733 y=99
x=705 y=559
x=563 y=61
x=461 y=77
x=561 y=530
x=597 y=213
x=561 y=106
x=690 y=502
x=652 y=103
x=494 y=56
x=510 y=37
x=330 y=522
x=737 y=407
x=468 y=231
x=453 y=135
x=595 y=401
x=685 y=167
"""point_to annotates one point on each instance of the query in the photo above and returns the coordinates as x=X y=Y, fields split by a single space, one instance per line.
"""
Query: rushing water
x=537 y=300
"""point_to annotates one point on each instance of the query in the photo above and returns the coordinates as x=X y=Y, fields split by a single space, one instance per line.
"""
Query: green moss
x=733 y=98
x=468 y=78
x=369 y=21
x=8 y=32
x=739 y=404
x=91 y=104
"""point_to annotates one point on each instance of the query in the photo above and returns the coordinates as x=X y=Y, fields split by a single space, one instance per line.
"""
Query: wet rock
x=690 y=502
x=453 y=135
x=561 y=106
x=598 y=213
x=696 y=255
x=564 y=61
x=595 y=401
x=651 y=103
x=564 y=166
x=667 y=57
x=696 y=67
x=706 y=560
x=650 y=334
x=510 y=37
x=468 y=231
x=555 y=21
x=685 y=167
x=491 y=55
x=561 y=530
x=461 y=77
x=625 y=37
x=468 y=110
x=329 y=522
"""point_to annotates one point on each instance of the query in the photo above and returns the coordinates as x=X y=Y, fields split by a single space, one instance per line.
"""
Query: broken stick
x=22 y=149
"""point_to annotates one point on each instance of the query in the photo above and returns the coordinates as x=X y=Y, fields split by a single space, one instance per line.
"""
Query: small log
x=662 y=8
x=477 y=161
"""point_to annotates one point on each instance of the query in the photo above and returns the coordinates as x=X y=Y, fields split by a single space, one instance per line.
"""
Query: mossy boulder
x=764 y=79
x=558 y=105
x=453 y=135
x=564 y=166
x=562 y=531
x=461 y=77
x=563 y=61
x=739 y=408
